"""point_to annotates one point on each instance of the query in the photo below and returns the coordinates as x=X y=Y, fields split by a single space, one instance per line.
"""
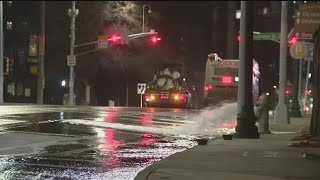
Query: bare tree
x=98 y=18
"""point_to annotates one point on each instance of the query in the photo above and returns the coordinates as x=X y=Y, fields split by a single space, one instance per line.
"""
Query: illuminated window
x=33 y=44
x=9 y=3
x=9 y=25
x=33 y=51
x=265 y=11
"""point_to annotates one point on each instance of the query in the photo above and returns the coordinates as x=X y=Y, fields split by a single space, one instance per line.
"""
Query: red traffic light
x=287 y=92
x=155 y=39
x=307 y=91
x=293 y=40
x=238 y=38
x=114 y=38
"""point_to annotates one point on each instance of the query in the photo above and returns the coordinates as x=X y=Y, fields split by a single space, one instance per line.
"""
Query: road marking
x=270 y=154
x=245 y=154
x=125 y=127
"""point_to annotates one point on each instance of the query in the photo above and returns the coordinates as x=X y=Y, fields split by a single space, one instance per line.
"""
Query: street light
x=149 y=11
x=63 y=83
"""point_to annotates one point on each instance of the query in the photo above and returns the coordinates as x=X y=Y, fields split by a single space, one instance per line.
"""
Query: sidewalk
x=267 y=158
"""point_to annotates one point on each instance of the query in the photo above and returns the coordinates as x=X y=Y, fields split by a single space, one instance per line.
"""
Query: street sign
x=102 y=41
x=71 y=60
x=141 y=88
x=267 y=36
x=309 y=54
x=307 y=20
x=298 y=50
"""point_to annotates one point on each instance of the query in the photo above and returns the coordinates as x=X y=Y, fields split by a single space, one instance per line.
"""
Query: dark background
x=189 y=32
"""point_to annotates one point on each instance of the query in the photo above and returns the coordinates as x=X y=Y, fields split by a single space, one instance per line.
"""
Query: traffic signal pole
x=1 y=52
x=246 y=119
x=41 y=77
x=73 y=15
x=282 y=111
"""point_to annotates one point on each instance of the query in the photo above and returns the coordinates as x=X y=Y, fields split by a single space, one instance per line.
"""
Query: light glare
x=63 y=83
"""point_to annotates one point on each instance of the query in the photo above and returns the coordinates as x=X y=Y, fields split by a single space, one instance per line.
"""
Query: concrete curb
x=145 y=173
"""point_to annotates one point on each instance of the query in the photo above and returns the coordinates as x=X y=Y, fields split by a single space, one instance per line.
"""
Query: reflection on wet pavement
x=99 y=153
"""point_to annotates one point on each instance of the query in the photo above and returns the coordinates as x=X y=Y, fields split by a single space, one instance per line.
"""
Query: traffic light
x=155 y=39
x=307 y=92
x=293 y=40
x=287 y=92
x=238 y=38
x=114 y=39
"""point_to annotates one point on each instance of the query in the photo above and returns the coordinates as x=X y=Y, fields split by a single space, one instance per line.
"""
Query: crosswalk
x=125 y=116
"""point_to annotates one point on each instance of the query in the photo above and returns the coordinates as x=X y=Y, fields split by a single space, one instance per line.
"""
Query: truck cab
x=167 y=90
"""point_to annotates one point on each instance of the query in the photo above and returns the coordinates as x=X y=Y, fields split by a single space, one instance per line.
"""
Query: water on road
x=98 y=142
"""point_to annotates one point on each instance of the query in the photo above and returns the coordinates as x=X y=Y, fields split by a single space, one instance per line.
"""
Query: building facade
x=20 y=52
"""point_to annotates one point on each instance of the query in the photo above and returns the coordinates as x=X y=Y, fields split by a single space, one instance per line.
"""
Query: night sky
x=182 y=25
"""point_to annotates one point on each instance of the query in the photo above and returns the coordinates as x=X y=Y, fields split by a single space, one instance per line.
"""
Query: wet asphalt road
x=88 y=142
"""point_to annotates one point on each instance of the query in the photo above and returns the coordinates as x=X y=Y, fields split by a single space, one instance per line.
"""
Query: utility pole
x=246 y=119
x=73 y=13
x=1 y=52
x=282 y=111
x=41 y=78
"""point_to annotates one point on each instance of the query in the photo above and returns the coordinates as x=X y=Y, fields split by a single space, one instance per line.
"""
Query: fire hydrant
x=262 y=114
